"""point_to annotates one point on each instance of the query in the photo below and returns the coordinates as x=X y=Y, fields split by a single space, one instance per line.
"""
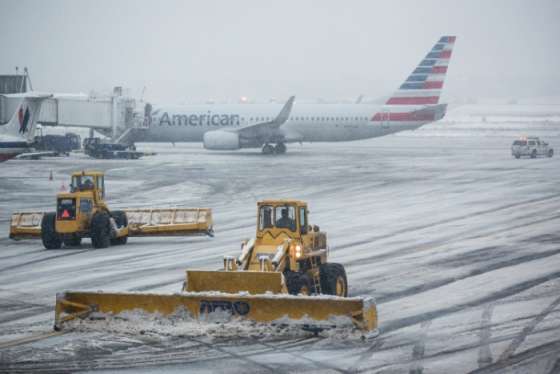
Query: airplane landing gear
x=280 y=148
x=267 y=149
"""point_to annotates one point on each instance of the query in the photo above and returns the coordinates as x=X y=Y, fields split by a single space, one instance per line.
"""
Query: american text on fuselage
x=207 y=119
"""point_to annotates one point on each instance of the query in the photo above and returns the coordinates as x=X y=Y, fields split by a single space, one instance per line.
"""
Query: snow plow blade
x=169 y=222
x=26 y=225
x=141 y=222
x=253 y=282
x=312 y=312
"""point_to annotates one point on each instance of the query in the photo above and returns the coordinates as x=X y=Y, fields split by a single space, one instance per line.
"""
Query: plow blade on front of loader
x=309 y=311
x=26 y=225
x=141 y=222
x=169 y=222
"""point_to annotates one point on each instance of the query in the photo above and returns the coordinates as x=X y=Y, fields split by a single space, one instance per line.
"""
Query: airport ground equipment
x=531 y=147
x=98 y=148
x=83 y=212
x=61 y=144
x=282 y=276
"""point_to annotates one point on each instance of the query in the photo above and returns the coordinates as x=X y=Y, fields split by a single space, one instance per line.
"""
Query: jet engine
x=221 y=140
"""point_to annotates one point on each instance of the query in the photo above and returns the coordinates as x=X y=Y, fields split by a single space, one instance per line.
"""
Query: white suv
x=531 y=147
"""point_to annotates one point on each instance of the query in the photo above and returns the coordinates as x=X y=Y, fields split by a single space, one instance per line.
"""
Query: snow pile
x=219 y=324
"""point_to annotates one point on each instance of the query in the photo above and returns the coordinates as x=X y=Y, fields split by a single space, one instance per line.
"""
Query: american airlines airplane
x=16 y=137
x=236 y=126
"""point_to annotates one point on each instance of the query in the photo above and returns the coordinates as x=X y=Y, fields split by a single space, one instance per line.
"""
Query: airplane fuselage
x=307 y=122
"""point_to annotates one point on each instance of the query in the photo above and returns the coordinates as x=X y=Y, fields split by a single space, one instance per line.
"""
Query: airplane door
x=147 y=115
x=385 y=118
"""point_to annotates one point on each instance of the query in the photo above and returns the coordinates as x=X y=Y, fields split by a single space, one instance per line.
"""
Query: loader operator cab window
x=302 y=221
x=265 y=217
x=86 y=183
x=82 y=183
x=286 y=217
x=101 y=185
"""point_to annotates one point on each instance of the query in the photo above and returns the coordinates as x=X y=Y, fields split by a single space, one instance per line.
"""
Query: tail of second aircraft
x=24 y=120
x=416 y=102
x=424 y=85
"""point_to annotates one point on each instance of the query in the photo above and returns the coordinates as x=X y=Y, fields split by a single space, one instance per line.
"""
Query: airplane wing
x=265 y=128
x=35 y=155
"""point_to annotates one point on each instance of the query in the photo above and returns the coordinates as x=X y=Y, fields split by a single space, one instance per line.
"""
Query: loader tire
x=50 y=238
x=122 y=221
x=100 y=230
x=298 y=283
x=333 y=279
x=72 y=241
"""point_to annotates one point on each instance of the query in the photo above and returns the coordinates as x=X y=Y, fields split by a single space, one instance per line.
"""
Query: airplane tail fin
x=24 y=120
x=424 y=85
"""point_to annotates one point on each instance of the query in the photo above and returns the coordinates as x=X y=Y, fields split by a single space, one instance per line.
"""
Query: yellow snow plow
x=26 y=225
x=141 y=222
x=169 y=222
x=83 y=212
x=281 y=275
x=312 y=312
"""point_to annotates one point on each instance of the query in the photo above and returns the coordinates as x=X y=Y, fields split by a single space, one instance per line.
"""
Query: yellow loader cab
x=82 y=212
x=288 y=255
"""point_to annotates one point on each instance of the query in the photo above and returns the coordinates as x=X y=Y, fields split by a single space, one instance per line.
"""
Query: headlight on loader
x=298 y=251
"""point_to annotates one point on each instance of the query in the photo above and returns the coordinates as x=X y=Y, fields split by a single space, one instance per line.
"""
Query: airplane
x=17 y=136
x=236 y=126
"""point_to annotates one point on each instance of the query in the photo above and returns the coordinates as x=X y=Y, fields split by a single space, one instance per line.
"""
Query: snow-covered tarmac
x=458 y=241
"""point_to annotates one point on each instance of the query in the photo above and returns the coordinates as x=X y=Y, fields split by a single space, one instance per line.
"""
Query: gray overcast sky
x=199 y=50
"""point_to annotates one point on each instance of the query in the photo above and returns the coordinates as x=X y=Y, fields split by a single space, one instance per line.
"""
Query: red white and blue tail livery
x=423 y=86
x=416 y=101
x=16 y=137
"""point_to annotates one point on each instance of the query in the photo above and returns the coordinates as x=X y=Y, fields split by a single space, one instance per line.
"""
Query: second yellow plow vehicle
x=83 y=212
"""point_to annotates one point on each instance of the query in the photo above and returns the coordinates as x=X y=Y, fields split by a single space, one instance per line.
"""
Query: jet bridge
x=112 y=116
